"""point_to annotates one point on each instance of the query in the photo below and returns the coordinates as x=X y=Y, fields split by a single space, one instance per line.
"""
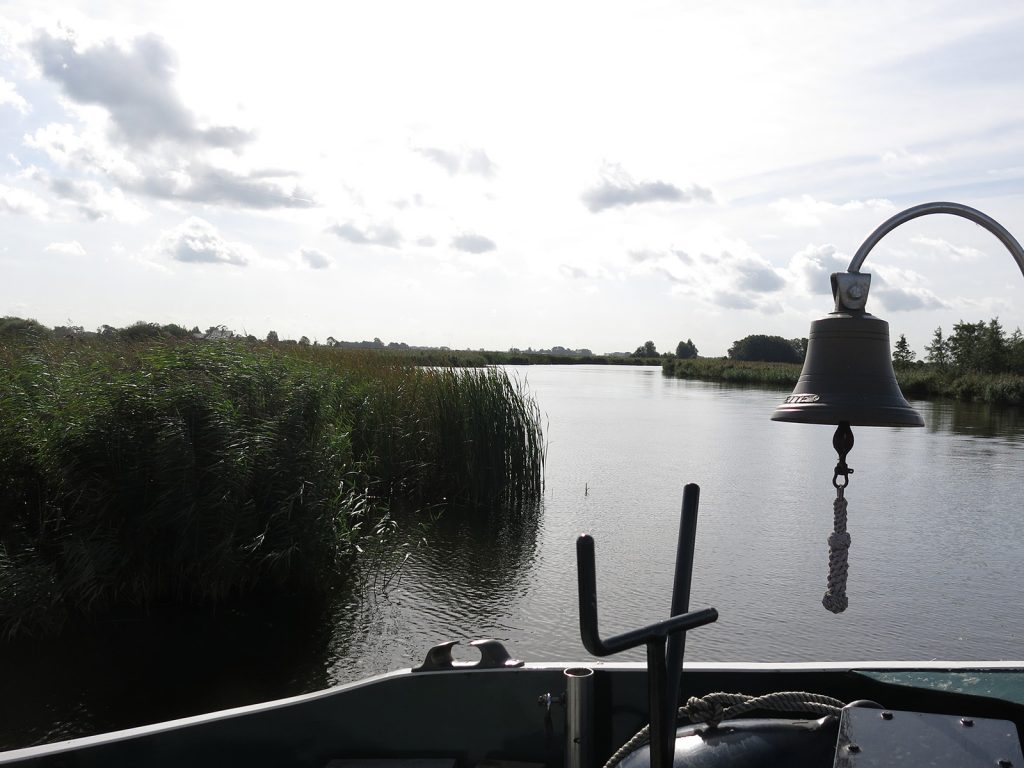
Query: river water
x=935 y=562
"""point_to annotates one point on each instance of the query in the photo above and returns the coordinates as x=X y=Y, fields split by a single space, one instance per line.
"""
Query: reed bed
x=920 y=380
x=770 y=375
x=927 y=381
x=135 y=475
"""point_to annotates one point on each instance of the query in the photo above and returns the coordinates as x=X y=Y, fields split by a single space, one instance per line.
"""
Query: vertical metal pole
x=680 y=604
x=660 y=756
x=579 y=726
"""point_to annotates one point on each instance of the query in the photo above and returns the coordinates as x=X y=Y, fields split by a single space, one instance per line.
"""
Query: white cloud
x=197 y=241
x=734 y=277
x=811 y=268
x=82 y=149
x=93 y=201
x=137 y=130
x=313 y=258
x=473 y=243
x=22 y=202
x=472 y=161
x=959 y=253
x=903 y=290
x=574 y=272
x=134 y=84
x=902 y=160
x=9 y=96
x=71 y=248
x=372 y=234
x=806 y=211
x=618 y=189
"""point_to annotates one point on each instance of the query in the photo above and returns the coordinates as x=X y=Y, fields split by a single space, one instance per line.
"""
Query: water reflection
x=461 y=582
x=975 y=419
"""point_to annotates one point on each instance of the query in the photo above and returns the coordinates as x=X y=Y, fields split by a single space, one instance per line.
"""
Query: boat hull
x=469 y=716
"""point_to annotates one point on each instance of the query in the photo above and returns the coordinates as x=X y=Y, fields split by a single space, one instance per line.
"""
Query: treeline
x=978 y=361
x=139 y=474
x=14 y=327
x=972 y=348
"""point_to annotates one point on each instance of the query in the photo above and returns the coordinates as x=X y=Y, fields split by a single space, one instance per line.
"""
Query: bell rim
x=875 y=416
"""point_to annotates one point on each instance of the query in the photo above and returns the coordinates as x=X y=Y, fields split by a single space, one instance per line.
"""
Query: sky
x=497 y=175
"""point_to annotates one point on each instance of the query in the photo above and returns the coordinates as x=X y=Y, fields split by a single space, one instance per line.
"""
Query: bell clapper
x=835 y=598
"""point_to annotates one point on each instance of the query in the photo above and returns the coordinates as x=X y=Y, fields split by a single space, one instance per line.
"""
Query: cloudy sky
x=485 y=175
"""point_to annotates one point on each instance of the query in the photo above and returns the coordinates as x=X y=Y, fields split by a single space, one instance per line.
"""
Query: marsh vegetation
x=164 y=472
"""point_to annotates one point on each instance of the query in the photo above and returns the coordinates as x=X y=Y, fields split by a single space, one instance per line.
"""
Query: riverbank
x=921 y=381
x=469 y=358
x=140 y=475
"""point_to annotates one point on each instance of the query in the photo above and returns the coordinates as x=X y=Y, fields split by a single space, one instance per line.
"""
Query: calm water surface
x=935 y=517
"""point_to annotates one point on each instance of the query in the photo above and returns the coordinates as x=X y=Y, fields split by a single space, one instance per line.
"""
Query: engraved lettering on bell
x=802 y=399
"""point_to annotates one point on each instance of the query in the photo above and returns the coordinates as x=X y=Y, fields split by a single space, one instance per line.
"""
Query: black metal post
x=665 y=640
x=682 y=580
x=662 y=735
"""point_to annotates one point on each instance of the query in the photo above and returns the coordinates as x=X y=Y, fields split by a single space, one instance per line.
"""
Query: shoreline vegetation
x=143 y=475
x=923 y=381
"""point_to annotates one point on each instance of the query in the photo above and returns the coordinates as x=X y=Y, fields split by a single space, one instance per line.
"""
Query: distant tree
x=107 y=331
x=647 y=350
x=938 y=350
x=13 y=327
x=686 y=350
x=67 y=331
x=304 y=341
x=140 y=331
x=331 y=341
x=965 y=346
x=174 y=331
x=902 y=354
x=992 y=357
x=272 y=337
x=1015 y=352
x=800 y=345
x=771 y=349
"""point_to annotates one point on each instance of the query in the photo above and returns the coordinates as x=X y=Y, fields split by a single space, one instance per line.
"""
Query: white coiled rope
x=716 y=707
x=838 y=552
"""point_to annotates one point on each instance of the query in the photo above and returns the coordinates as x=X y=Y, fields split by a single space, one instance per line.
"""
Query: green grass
x=134 y=475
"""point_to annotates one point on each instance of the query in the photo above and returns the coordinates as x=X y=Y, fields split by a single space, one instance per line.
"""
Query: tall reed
x=137 y=474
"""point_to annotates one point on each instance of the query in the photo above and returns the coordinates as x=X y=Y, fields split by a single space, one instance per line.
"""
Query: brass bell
x=848 y=374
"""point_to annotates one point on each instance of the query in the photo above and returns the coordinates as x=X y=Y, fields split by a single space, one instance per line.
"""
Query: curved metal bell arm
x=850 y=288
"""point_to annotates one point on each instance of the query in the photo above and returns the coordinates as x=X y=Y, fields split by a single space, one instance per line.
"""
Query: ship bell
x=848 y=374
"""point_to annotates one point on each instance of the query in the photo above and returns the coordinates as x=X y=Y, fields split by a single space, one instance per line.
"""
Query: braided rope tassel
x=835 y=598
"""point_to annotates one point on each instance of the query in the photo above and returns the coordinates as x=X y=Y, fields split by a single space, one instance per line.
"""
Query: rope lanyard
x=835 y=598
